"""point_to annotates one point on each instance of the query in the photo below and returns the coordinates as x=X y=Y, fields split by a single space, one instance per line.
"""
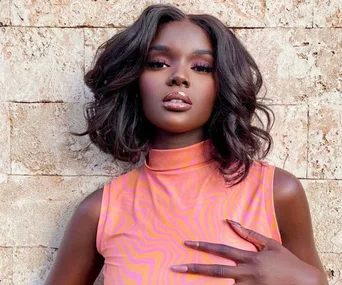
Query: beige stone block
x=93 y=38
x=258 y=13
x=4 y=139
x=232 y=13
x=32 y=265
x=325 y=137
x=285 y=60
x=4 y=12
x=6 y=231
x=325 y=199
x=6 y=265
x=289 y=13
x=327 y=49
x=36 y=209
x=41 y=142
x=290 y=139
x=297 y=64
x=328 y=13
x=40 y=64
x=118 y=14
x=332 y=263
x=76 y=13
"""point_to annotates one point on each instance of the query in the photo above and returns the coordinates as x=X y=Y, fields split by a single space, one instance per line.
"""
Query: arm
x=293 y=216
x=78 y=261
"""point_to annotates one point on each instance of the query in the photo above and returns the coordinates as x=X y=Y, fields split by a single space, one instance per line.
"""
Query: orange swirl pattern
x=178 y=195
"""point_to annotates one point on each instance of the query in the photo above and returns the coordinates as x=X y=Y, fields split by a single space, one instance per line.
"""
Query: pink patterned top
x=179 y=195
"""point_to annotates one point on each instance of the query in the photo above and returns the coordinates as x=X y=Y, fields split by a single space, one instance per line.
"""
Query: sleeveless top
x=179 y=195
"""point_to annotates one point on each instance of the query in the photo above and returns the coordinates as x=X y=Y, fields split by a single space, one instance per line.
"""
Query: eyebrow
x=195 y=52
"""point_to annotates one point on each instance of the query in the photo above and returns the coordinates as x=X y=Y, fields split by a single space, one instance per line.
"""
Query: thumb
x=260 y=241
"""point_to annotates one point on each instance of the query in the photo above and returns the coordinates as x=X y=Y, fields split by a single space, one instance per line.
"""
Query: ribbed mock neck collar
x=172 y=159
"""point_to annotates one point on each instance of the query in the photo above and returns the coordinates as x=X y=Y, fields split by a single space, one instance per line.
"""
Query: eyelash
x=157 y=64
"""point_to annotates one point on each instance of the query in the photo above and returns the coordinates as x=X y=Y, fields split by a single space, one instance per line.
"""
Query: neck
x=166 y=140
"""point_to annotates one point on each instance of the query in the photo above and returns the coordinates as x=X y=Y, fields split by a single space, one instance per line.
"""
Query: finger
x=259 y=240
x=215 y=270
x=238 y=255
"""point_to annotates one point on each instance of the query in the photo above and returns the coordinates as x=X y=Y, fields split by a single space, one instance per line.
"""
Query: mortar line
x=287 y=104
x=123 y=27
x=39 y=102
x=63 y=175
x=116 y=175
x=84 y=63
x=10 y=136
x=321 y=179
x=307 y=140
x=309 y=27
x=9 y=108
x=28 y=246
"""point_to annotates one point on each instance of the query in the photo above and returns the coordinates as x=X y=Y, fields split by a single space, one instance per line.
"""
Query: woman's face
x=177 y=85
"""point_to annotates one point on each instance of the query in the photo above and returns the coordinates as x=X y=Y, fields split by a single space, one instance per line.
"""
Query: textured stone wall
x=45 y=48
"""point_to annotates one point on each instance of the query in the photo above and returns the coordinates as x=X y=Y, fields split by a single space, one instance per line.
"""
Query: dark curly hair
x=116 y=122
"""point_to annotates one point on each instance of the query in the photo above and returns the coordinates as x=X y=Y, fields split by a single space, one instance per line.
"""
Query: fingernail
x=179 y=268
x=233 y=223
x=190 y=243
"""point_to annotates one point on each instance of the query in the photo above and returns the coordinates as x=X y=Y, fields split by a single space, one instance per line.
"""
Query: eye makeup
x=159 y=63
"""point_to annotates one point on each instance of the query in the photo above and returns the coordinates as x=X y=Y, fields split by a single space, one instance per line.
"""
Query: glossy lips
x=177 y=102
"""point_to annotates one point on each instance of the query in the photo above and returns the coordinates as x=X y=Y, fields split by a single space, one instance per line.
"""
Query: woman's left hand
x=272 y=264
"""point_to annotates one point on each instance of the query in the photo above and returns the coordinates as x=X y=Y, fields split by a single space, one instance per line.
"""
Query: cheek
x=209 y=90
x=148 y=90
x=150 y=81
x=145 y=84
x=207 y=102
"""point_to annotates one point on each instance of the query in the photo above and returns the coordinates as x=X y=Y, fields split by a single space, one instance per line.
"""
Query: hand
x=273 y=264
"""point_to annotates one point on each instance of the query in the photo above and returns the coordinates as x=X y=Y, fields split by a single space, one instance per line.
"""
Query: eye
x=157 y=64
x=202 y=68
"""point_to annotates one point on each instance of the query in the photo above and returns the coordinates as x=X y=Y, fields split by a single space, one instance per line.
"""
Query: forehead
x=182 y=34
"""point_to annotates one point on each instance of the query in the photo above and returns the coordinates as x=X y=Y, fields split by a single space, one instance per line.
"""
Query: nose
x=179 y=77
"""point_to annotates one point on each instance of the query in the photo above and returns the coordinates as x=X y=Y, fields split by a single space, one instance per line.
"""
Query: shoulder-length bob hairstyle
x=117 y=125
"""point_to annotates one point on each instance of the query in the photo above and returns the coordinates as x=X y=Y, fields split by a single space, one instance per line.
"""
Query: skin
x=294 y=262
x=176 y=69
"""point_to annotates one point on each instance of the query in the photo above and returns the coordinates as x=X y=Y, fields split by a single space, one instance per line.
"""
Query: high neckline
x=172 y=159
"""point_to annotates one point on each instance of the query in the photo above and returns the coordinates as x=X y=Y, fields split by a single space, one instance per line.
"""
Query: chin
x=179 y=127
x=176 y=129
x=178 y=123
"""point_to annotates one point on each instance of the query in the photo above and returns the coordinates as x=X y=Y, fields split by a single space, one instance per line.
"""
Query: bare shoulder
x=78 y=261
x=293 y=217
x=286 y=187
x=91 y=206
x=290 y=202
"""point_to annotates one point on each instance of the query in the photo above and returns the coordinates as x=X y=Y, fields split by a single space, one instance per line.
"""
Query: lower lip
x=176 y=106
